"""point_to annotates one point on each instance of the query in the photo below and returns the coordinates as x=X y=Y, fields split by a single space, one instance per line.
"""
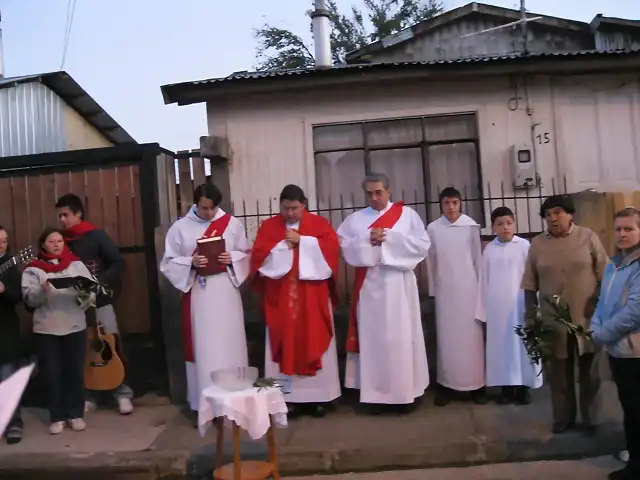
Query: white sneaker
x=90 y=406
x=125 y=407
x=77 y=424
x=56 y=428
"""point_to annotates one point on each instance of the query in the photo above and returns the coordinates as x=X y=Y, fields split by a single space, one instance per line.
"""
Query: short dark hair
x=207 y=190
x=46 y=232
x=72 y=202
x=449 y=192
x=292 y=193
x=501 y=212
x=557 y=201
x=626 y=212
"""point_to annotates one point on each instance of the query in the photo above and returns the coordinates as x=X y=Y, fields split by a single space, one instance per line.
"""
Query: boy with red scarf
x=103 y=258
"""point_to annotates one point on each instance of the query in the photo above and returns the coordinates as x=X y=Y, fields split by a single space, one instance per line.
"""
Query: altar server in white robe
x=295 y=261
x=501 y=307
x=212 y=314
x=454 y=268
x=386 y=354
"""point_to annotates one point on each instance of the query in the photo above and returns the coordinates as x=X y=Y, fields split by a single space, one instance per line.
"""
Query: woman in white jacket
x=59 y=325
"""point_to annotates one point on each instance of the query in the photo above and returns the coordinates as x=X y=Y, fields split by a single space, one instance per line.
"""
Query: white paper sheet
x=11 y=391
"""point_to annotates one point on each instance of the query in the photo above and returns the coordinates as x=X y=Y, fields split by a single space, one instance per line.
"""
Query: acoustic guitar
x=23 y=256
x=104 y=369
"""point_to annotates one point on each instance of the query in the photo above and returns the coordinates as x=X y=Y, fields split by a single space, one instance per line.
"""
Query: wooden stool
x=249 y=470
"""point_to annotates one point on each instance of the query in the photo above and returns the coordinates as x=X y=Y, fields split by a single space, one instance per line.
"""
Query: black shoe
x=13 y=435
x=523 y=396
x=405 y=409
x=589 y=430
x=506 y=396
x=561 y=427
x=479 y=397
x=293 y=411
x=318 y=411
x=442 y=399
x=624 y=474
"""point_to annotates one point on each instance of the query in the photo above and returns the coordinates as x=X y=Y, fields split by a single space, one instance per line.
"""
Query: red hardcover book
x=211 y=248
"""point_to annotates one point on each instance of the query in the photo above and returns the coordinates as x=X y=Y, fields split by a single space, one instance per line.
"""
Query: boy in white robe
x=501 y=308
x=212 y=314
x=454 y=267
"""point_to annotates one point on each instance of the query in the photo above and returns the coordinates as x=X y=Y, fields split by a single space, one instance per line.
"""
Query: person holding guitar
x=102 y=257
x=10 y=345
x=59 y=327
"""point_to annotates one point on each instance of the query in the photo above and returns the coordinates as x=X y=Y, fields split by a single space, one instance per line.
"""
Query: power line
x=71 y=10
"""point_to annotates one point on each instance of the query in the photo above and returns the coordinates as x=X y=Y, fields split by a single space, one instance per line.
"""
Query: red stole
x=387 y=220
x=43 y=262
x=297 y=312
x=218 y=227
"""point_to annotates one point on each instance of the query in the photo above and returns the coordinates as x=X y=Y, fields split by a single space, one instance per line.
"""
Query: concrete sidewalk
x=159 y=442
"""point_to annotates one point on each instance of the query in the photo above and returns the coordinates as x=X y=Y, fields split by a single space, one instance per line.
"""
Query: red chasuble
x=297 y=312
x=387 y=220
x=216 y=227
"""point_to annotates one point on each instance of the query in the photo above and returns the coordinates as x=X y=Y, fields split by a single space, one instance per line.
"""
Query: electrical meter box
x=523 y=166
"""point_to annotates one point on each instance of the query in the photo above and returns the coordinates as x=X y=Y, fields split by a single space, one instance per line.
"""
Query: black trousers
x=61 y=359
x=626 y=375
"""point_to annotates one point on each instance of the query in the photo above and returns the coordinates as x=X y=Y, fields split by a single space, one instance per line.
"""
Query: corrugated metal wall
x=31 y=120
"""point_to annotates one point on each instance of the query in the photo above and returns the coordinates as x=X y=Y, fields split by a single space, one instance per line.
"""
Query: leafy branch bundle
x=263 y=383
x=535 y=334
x=89 y=290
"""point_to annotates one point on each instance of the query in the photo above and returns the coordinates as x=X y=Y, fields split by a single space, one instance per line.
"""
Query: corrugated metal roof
x=63 y=85
x=242 y=77
x=457 y=14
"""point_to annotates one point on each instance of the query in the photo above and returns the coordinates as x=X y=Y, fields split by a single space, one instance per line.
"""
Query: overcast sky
x=121 y=51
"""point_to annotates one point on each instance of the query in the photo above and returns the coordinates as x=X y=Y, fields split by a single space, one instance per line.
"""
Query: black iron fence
x=525 y=204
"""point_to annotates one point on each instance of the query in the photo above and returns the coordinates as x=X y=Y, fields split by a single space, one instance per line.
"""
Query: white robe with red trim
x=391 y=367
x=217 y=316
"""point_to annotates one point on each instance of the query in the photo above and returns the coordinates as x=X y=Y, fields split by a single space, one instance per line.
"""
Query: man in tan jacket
x=569 y=261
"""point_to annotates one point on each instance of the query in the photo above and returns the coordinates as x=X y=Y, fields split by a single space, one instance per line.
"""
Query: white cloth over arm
x=176 y=264
x=312 y=264
x=405 y=249
x=240 y=256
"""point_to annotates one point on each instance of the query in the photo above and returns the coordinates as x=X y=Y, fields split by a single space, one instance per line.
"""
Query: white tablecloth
x=250 y=409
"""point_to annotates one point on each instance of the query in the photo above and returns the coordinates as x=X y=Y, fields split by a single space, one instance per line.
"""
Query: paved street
x=591 y=469
x=158 y=438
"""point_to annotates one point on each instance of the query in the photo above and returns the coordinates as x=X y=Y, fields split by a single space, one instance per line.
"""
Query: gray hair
x=376 y=178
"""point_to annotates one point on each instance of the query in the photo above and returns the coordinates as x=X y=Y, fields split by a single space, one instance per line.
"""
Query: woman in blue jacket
x=616 y=326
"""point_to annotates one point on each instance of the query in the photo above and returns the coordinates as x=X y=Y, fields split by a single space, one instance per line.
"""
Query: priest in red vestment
x=295 y=262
